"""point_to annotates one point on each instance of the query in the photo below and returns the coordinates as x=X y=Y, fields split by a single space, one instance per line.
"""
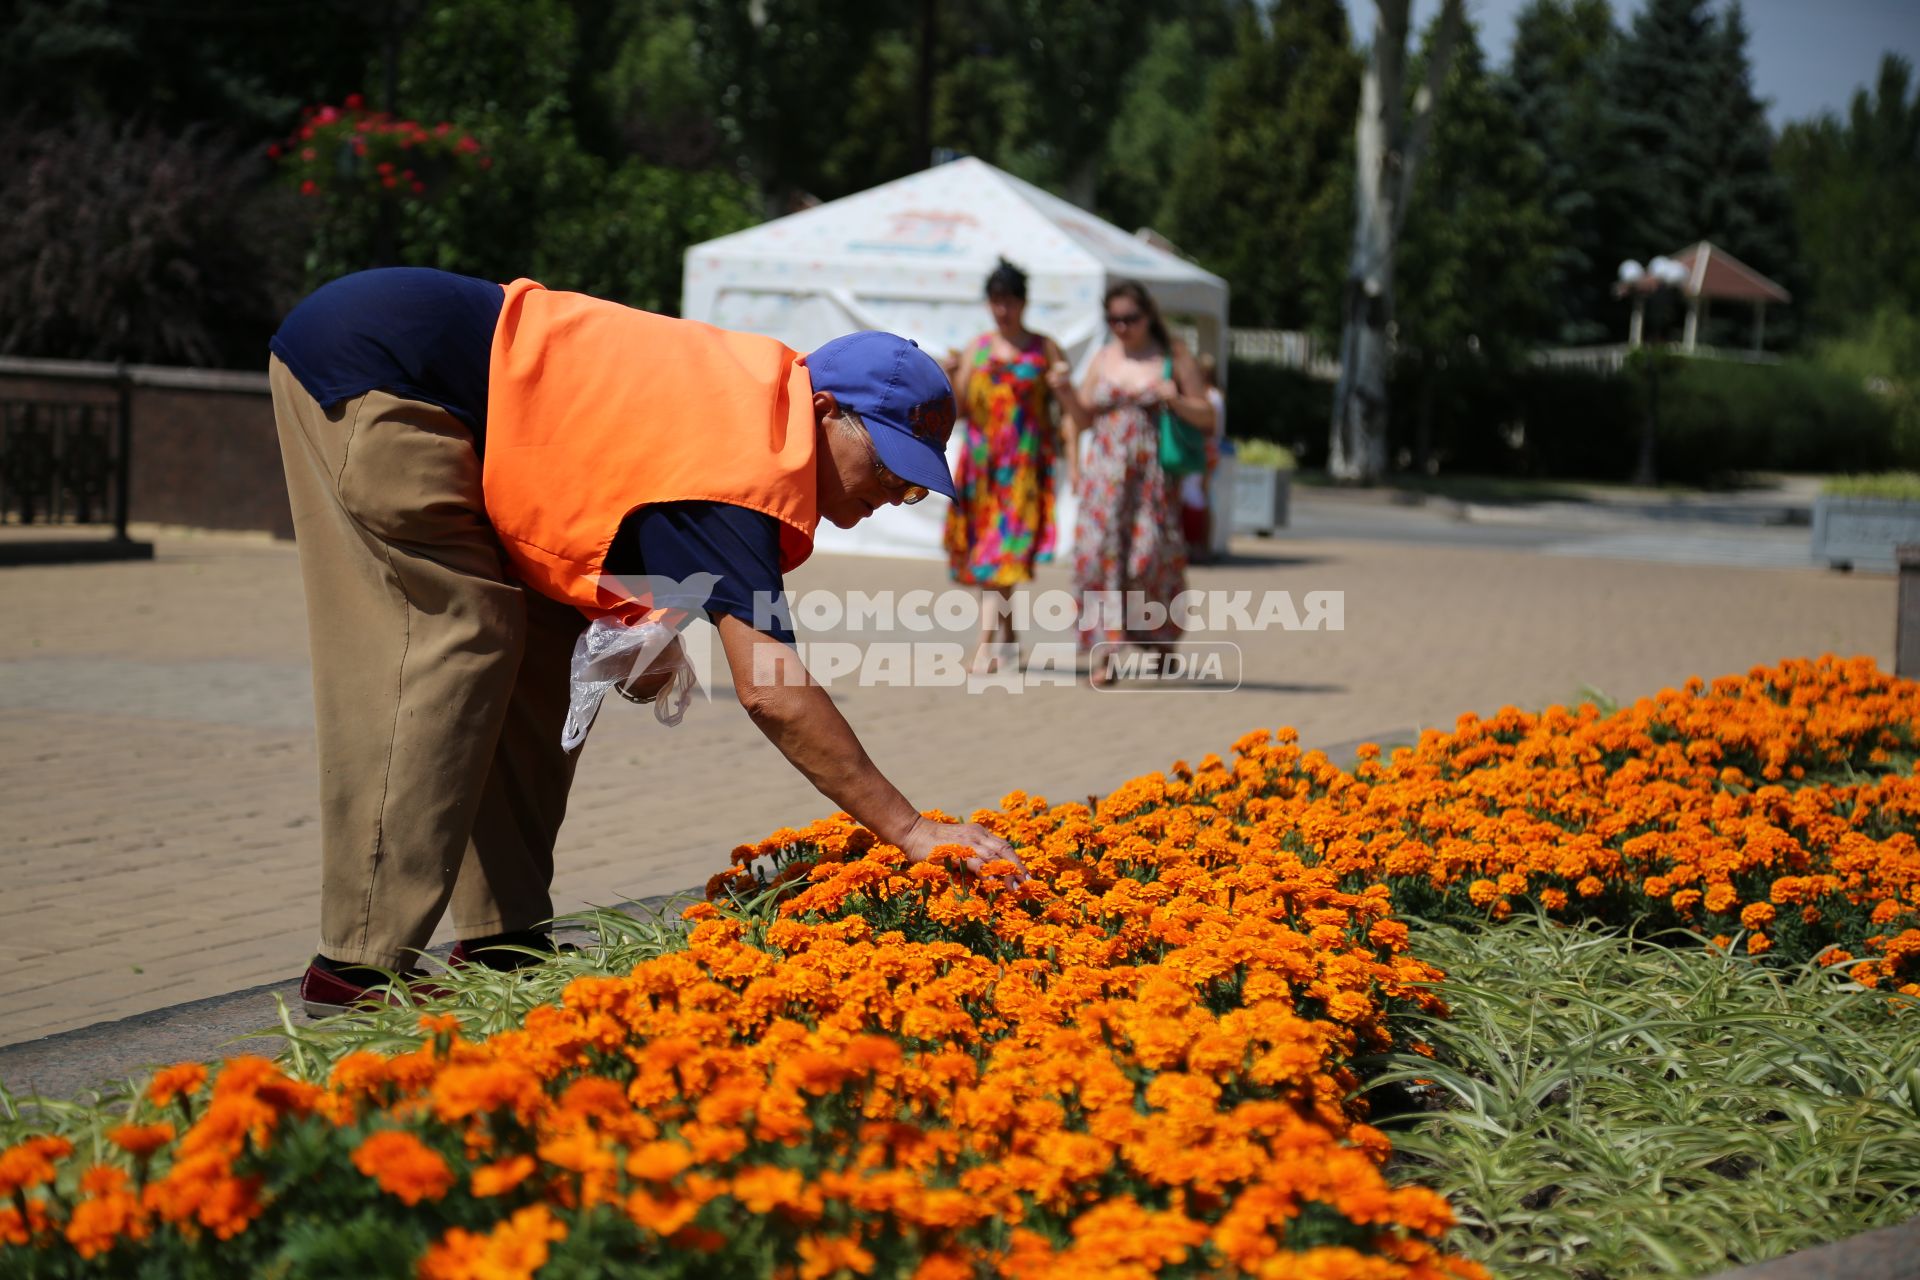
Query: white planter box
x=1861 y=533
x=1260 y=499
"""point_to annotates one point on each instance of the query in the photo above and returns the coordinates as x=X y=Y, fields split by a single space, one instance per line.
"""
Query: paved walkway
x=158 y=823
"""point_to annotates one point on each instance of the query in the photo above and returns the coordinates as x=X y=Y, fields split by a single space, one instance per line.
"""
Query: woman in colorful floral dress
x=1001 y=522
x=1129 y=551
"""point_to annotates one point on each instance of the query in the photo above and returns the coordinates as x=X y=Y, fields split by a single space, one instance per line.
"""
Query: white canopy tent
x=912 y=257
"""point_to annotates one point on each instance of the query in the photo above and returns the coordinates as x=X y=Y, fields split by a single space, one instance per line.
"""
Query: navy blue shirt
x=423 y=334
x=679 y=539
x=428 y=335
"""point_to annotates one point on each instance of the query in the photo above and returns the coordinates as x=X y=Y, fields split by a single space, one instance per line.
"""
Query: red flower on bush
x=348 y=150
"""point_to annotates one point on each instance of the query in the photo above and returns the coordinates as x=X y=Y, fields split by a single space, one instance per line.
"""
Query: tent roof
x=960 y=217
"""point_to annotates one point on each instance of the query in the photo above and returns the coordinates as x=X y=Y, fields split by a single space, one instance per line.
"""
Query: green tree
x=1855 y=189
x=242 y=69
x=1557 y=84
x=1696 y=139
x=1258 y=195
x=1740 y=201
x=1160 y=119
x=612 y=224
x=1659 y=96
x=1477 y=247
x=783 y=70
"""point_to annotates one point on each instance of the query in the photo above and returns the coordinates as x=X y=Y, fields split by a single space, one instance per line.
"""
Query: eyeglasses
x=1125 y=320
x=907 y=493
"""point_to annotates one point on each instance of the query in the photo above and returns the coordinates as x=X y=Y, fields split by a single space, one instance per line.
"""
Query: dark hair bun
x=1007 y=281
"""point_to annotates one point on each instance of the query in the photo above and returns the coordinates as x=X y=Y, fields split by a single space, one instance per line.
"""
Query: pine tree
x=1660 y=100
x=1557 y=86
x=1256 y=195
x=1696 y=139
x=1742 y=203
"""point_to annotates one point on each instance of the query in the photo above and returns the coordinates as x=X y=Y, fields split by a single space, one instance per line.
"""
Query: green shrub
x=1578 y=423
x=1267 y=401
x=1718 y=419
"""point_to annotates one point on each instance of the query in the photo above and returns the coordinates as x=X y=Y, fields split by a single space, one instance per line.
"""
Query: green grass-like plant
x=1602 y=1105
x=485 y=1001
x=1892 y=486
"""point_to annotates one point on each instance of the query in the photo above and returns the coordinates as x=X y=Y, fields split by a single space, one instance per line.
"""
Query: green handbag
x=1183 y=446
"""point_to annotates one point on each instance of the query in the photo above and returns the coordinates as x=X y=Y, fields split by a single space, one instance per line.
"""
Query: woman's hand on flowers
x=1166 y=391
x=925 y=836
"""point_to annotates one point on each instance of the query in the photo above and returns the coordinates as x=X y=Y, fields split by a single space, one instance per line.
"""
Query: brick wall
x=204 y=452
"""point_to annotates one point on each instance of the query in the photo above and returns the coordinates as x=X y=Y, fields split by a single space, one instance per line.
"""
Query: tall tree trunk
x=1387 y=150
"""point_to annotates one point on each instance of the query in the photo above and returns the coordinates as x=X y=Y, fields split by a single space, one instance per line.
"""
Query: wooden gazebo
x=1712 y=275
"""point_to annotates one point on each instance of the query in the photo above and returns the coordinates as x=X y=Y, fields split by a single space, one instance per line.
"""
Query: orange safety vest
x=595 y=409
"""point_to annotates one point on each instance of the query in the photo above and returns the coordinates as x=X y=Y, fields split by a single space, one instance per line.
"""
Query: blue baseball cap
x=900 y=392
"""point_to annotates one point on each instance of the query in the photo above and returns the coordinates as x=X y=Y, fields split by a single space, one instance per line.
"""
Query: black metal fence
x=65 y=463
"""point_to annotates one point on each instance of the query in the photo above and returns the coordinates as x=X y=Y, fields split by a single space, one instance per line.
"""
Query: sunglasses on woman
x=1124 y=319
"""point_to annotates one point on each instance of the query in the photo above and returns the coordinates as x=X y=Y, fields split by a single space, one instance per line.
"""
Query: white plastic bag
x=612 y=654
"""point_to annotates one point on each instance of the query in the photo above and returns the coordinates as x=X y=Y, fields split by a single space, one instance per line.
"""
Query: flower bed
x=1141 y=1062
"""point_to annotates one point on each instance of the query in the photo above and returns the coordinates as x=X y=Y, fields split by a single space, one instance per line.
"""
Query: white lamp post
x=1665 y=274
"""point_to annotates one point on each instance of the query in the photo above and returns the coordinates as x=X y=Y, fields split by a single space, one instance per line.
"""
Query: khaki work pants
x=439 y=684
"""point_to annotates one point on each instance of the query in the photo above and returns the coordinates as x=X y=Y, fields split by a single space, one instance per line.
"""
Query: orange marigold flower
x=1756 y=915
x=1757 y=943
x=141 y=1140
x=1721 y=898
x=439 y=1024
x=658 y=1161
x=665 y=1214
x=502 y=1176
x=764 y=1188
x=404 y=1166
x=823 y=1256
x=30 y=1163
x=173 y=1082
x=108 y=1214
x=1482 y=892
x=361 y=1073
x=1590 y=887
x=514 y=1250
x=1553 y=899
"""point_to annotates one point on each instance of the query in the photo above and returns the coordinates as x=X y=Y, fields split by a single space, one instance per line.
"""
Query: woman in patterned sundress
x=1001 y=522
x=1129 y=551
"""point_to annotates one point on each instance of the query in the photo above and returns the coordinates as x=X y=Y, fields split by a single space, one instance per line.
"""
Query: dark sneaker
x=328 y=988
x=507 y=952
